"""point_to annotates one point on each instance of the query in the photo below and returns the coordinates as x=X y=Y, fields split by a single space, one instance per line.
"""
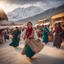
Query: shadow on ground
x=18 y=49
x=45 y=59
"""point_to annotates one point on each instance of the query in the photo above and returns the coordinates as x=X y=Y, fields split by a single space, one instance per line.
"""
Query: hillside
x=44 y=15
x=22 y=13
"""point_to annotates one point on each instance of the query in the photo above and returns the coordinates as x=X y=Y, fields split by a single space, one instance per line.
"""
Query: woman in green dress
x=16 y=37
x=45 y=35
x=32 y=44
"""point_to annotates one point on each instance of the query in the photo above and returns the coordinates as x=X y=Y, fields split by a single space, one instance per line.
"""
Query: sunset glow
x=7 y=7
x=10 y=5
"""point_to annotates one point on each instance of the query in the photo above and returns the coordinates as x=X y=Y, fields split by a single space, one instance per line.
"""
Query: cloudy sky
x=9 y=5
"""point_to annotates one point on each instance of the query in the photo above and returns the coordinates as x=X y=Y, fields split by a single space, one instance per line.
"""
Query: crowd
x=34 y=38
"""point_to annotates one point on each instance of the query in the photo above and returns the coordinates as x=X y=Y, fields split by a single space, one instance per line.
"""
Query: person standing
x=45 y=35
x=57 y=37
x=6 y=34
x=1 y=36
x=16 y=37
x=32 y=44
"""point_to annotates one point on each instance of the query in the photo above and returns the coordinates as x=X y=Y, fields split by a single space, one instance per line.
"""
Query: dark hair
x=59 y=23
x=29 y=23
x=55 y=24
x=17 y=28
x=42 y=25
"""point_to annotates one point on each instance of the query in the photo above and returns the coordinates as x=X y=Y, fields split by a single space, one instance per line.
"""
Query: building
x=58 y=18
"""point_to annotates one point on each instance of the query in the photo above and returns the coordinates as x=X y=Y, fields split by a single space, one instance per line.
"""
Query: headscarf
x=29 y=32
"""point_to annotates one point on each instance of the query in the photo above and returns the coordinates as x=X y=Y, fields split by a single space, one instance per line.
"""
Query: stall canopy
x=58 y=16
x=46 y=23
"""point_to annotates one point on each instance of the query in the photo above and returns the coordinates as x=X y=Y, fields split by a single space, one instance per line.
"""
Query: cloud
x=22 y=2
x=44 y=4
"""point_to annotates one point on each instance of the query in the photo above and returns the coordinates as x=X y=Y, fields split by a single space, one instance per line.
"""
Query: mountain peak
x=22 y=13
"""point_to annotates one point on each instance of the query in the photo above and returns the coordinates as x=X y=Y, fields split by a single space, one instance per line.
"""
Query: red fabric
x=29 y=32
x=57 y=29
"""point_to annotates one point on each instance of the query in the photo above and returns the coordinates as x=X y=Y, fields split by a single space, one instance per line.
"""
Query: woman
x=57 y=36
x=6 y=34
x=1 y=36
x=39 y=31
x=62 y=26
x=32 y=44
x=45 y=35
x=16 y=37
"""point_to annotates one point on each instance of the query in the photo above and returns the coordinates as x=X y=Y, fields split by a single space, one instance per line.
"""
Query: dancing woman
x=57 y=37
x=16 y=37
x=32 y=44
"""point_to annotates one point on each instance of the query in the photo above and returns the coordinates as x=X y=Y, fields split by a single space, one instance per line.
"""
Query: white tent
x=41 y=24
x=2 y=27
x=35 y=25
x=46 y=23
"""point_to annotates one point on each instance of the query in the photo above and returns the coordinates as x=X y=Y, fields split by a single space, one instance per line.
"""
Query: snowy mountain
x=44 y=15
x=23 y=13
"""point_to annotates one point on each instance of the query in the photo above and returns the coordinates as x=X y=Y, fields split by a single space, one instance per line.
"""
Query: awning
x=36 y=25
x=46 y=23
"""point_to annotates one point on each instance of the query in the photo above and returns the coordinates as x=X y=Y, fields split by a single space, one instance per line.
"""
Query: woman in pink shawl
x=57 y=37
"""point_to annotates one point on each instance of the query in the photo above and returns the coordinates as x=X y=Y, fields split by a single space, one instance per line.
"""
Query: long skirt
x=57 y=40
x=29 y=52
x=15 y=42
x=32 y=47
x=45 y=38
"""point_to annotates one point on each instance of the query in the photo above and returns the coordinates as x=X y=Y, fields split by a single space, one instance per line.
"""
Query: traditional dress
x=45 y=35
x=57 y=37
x=6 y=35
x=16 y=38
x=39 y=33
x=32 y=45
x=1 y=36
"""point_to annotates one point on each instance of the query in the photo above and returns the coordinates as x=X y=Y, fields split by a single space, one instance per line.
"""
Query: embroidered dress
x=32 y=45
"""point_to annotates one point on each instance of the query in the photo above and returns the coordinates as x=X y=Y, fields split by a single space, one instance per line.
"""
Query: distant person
x=39 y=31
x=16 y=37
x=1 y=36
x=45 y=34
x=57 y=36
x=6 y=34
x=32 y=44
x=62 y=31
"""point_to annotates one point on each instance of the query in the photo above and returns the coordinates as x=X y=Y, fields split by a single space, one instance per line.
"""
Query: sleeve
x=35 y=34
x=23 y=33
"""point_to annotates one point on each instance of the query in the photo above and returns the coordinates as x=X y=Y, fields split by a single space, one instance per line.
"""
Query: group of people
x=57 y=34
x=43 y=32
x=33 y=44
x=35 y=38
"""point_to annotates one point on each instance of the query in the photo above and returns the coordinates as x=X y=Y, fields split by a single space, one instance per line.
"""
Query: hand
x=24 y=38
